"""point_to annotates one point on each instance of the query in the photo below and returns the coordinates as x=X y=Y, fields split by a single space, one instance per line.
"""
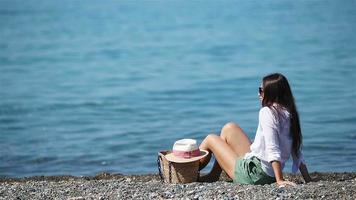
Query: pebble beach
x=118 y=186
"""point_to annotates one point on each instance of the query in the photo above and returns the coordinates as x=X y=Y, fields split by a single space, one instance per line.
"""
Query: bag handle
x=159 y=161
x=170 y=171
x=198 y=174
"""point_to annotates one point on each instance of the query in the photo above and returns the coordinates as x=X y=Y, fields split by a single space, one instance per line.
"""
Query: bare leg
x=223 y=153
x=236 y=138
x=232 y=138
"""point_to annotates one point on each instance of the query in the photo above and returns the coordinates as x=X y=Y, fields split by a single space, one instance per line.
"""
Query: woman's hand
x=304 y=171
x=285 y=183
x=276 y=165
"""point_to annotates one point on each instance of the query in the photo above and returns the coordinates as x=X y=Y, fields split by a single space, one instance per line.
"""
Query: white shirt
x=273 y=141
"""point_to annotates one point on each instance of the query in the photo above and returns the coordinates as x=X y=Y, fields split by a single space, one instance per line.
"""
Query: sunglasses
x=260 y=90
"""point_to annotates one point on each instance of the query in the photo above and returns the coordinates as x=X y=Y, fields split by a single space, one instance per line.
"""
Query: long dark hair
x=278 y=94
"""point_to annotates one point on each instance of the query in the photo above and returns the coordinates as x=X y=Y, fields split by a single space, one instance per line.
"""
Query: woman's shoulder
x=265 y=110
x=274 y=112
x=268 y=110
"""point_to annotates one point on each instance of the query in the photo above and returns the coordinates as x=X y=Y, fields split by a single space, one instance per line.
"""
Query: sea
x=103 y=86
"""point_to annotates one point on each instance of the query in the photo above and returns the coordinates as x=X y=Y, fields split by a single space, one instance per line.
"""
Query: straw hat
x=181 y=165
x=184 y=151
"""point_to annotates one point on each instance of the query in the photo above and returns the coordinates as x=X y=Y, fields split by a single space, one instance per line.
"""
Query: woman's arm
x=304 y=171
x=276 y=165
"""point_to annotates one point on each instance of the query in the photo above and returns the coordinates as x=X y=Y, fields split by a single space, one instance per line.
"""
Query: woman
x=278 y=136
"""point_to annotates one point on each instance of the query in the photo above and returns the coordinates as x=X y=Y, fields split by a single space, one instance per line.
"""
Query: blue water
x=91 y=86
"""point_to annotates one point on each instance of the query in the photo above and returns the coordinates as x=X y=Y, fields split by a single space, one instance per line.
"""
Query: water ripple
x=95 y=87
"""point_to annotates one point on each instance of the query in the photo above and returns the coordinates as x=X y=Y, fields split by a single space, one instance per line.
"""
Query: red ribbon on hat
x=187 y=154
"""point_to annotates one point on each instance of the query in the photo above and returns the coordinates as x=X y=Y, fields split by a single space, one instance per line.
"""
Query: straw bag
x=182 y=164
x=172 y=172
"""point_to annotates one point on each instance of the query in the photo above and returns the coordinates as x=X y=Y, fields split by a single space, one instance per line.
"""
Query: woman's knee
x=230 y=125
x=212 y=136
x=212 y=139
x=229 y=128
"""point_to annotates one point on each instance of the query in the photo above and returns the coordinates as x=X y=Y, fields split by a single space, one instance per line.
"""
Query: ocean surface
x=92 y=86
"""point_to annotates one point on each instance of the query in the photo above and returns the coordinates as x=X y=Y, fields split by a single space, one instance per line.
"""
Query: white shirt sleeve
x=270 y=133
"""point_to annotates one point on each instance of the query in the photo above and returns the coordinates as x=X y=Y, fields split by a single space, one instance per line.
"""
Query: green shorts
x=249 y=171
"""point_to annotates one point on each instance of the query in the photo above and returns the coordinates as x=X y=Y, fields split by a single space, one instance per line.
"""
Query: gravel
x=117 y=186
